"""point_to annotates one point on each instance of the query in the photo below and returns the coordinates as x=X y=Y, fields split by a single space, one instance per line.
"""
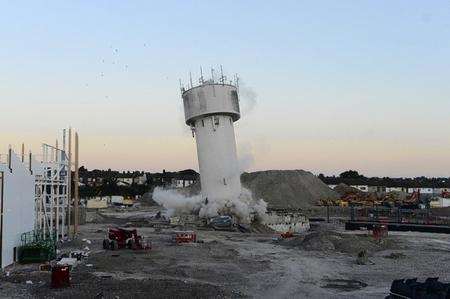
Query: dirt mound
x=297 y=189
x=343 y=190
x=287 y=188
x=332 y=241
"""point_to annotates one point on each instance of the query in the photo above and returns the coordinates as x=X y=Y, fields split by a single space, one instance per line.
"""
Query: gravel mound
x=281 y=189
x=329 y=241
x=343 y=190
x=296 y=189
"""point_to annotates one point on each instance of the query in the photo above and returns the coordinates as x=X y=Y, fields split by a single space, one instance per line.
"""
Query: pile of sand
x=296 y=189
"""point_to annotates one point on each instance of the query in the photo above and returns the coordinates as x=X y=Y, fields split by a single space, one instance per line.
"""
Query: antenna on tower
x=222 y=78
x=237 y=82
x=181 y=86
x=212 y=75
x=201 y=75
x=190 y=79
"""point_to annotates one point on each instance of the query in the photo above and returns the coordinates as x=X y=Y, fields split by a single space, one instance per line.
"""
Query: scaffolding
x=53 y=189
x=52 y=200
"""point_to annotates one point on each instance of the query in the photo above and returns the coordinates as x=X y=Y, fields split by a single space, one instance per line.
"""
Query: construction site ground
x=318 y=264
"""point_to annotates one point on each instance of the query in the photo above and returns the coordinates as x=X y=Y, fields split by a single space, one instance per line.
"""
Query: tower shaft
x=211 y=110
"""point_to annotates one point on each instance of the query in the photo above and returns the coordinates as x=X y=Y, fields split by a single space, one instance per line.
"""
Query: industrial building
x=35 y=195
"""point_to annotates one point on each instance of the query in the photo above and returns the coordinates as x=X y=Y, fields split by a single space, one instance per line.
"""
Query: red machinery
x=380 y=231
x=184 y=237
x=288 y=234
x=118 y=238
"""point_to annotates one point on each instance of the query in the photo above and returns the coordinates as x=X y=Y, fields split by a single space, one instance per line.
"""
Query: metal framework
x=52 y=192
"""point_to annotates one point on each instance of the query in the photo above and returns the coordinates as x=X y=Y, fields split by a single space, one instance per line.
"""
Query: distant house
x=140 y=179
x=440 y=202
x=363 y=188
x=124 y=181
x=179 y=183
x=397 y=189
x=178 y=179
x=373 y=189
x=427 y=187
x=426 y=190
x=185 y=178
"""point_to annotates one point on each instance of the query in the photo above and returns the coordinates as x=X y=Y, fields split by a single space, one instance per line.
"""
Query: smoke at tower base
x=245 y=208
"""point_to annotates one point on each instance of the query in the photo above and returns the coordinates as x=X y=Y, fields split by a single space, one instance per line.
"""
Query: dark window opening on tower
x=216 y=120
x=203 y=123
x=231 y=121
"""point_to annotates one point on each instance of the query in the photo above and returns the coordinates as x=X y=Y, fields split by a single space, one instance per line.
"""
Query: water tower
x=210 y=109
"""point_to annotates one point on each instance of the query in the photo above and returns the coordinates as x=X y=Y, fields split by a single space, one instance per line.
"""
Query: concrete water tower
x=210 y=109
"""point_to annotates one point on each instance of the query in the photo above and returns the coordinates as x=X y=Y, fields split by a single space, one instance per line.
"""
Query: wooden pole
x=69 y=181
x=76 y=195
x=23 y=152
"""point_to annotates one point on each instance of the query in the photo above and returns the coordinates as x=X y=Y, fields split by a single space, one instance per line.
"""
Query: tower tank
x=210 y=110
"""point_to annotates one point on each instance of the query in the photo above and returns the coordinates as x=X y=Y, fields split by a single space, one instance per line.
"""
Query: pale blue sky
x=339 y=84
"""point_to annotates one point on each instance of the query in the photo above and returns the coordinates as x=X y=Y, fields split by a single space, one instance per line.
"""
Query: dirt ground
x=320 y=264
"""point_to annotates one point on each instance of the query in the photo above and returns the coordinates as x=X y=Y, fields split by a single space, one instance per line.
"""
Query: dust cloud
x=245 y=208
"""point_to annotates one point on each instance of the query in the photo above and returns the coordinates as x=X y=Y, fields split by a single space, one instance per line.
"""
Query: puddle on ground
x=346 y=285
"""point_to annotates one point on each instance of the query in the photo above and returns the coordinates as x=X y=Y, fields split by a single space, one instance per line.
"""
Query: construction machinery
x=287 y=235
x=413 y=289
x=120 y=238
x=380 y=231
x=224 y=223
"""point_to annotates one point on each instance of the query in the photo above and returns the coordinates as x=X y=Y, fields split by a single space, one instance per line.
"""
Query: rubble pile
x=283 y=189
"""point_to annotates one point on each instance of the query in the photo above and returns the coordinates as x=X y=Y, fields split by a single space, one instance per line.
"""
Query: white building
x=426 y=190
x=140 y=180
x=396 y=189
x=17 y=195
x=124 y=181
x=363 y=188
x=440 y=202
x=180 y=183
